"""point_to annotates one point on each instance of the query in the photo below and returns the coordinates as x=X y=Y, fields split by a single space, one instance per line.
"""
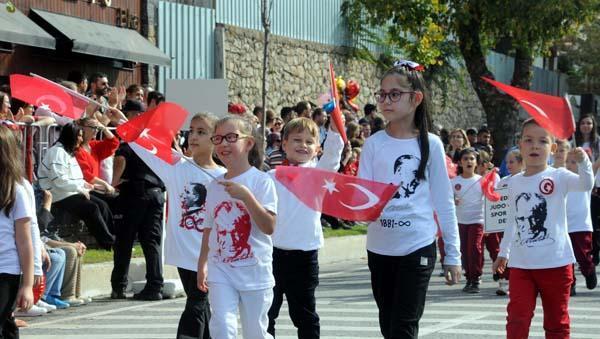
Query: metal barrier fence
x=35 y=140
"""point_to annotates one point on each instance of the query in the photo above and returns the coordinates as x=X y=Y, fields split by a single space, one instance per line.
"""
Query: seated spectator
x=79 y=79
x=55 y=273
x=60 y=173
x=135 y=92
x=5 y=112
x=154 y=99
x=70 y=291
x=92 y=151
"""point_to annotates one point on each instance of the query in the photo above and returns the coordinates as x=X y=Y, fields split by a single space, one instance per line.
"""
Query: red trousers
x=553 y=284
x=471 y=250
x=491 y=241
x=582 y=248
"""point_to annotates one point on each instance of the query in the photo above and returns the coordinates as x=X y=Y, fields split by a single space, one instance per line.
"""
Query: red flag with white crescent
x=342 y=196
x=488 y=182
x=336 y=114
x=48 y=95
x=155 y=129
x=553 y=113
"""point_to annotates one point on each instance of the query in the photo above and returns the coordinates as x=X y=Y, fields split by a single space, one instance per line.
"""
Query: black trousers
x=399 y=286
x=94 y=212
x=297 y=276
x=141 y=216
x=9 y=287
x=194 y=319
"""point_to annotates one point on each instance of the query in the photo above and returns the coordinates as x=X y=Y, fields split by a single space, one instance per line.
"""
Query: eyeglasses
x=394 y=96
x=230 y=137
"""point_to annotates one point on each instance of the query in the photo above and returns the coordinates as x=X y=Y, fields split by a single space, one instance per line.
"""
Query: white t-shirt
x=35 y=229
x=406 y=223
x=579 y=217
x=240 y=254
x=186 y=193
x=469 y=209
x=538 y=236
x=298 y=226
x=9 y=256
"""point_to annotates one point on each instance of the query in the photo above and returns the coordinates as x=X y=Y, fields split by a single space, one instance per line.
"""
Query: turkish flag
x=554 y=114
x=342 y=196
x=488 y=182
x=48 y=95
x=336 y=114
x=155 y=129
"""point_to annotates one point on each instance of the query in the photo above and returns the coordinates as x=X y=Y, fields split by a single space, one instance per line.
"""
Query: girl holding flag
x=236 y=256
x=186 y=191
x=401 y=242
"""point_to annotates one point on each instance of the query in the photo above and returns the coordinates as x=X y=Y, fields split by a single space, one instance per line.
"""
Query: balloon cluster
x=236 y=108
x=348 y=91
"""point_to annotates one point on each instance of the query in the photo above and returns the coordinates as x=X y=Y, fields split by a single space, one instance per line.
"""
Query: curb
x=95 y=279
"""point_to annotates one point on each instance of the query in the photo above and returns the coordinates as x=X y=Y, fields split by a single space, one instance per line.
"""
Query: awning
x=101 y=40
x=17 y=28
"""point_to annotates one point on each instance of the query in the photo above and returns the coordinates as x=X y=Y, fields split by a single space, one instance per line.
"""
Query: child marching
x=187 y=191
x=236 y=257
x=536 y=246
x=468 y=197
x=298 y=234
x=401 y=243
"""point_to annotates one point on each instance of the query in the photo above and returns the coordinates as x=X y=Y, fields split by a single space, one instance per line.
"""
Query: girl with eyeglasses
x=187 y=192
x=401 y=242
x=236 y=257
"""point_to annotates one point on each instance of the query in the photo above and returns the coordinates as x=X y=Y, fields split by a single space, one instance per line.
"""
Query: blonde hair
x=245 y=127
x=515 y=153
x=209 y=118
x=466 y=142
x=298 y=125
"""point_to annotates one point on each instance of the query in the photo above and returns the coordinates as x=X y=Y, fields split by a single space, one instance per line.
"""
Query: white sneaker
x=502 y=287
x=34 y=311
x=45 y=305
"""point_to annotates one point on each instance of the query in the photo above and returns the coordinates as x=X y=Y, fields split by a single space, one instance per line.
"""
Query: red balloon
x=352 y=89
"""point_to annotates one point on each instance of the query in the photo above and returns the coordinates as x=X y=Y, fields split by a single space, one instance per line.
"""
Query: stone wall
x=298 y=71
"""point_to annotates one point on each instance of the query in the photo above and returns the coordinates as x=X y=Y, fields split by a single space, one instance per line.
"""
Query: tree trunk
x=523 y=72
x=501 y=110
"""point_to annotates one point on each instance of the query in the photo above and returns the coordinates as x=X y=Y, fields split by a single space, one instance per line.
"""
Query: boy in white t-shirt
x=537 y=243
x=579 y=220
x=468 y=198
x=298 y=234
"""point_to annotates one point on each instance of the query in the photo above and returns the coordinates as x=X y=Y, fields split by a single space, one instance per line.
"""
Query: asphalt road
x=345 y=304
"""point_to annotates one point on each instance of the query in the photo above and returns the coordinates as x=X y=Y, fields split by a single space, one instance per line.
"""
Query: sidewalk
x=96 y=277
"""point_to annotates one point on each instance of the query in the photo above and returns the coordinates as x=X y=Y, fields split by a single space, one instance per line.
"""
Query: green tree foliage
x=433 y=32
x=580 y=59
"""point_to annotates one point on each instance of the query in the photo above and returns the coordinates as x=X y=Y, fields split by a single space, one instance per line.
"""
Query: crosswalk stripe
x=502 y=333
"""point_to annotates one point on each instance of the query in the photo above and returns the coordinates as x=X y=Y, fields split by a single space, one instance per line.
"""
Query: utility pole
x=266 y=22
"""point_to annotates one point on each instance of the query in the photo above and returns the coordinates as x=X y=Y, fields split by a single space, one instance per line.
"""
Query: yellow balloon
x=10 y=7
x=340 y=83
